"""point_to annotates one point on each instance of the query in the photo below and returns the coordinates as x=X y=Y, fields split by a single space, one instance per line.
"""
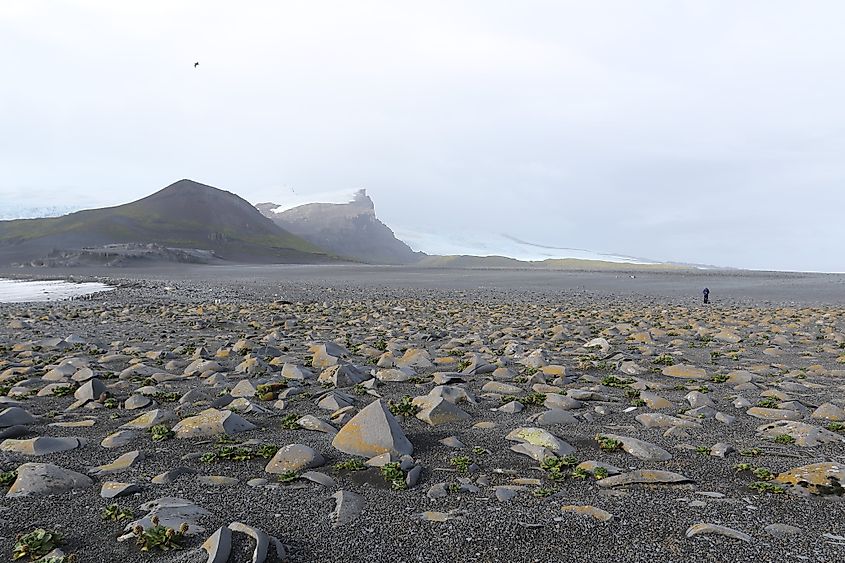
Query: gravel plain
x=597 y=350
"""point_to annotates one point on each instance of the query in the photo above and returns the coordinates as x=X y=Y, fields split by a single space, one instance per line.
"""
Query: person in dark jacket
x=706 y=295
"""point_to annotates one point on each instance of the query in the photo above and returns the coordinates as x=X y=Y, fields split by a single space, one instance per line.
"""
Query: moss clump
x=608 y=444
x=36 y=544
x=404 y=407
x=393 y=474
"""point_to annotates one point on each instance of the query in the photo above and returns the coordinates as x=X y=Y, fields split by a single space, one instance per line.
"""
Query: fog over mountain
x=705 y=132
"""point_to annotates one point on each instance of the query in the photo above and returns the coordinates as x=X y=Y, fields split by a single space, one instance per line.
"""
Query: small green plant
x=158 y=536
x=613 y=381
x=715 y=355
x=461 y=463
x=530 y=399
x=555 y=467
x=664 y=360
x=7 y=478
x=269 y=391
x=36 y=544
x=763 y=474
x=404 y=407
x=462 y=365
x=236 y=453
x=161 y=432
x=740 y=467
x=703 y=389
x=703 y=450
x=359 y=389
x=600 y=472
x=784 y=439
x=380 y=345
x=393 y=474
x=110 y=403
x=836 y=427
x=416 y=380
x=266 y=451
x=478 y=450
x=115 y=513
x=289 y=421
x=719 y=378
x=766 y=487
x=166 y=396
x=768 y=402
x=353 y=464
x=62 y=391
x=543 y=491
x=751 y=452
x=608 y=444
x=580 y=473
x=226 y=439
x=288 y=476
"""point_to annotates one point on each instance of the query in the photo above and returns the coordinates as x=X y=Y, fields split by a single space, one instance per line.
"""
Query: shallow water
x=17 y=291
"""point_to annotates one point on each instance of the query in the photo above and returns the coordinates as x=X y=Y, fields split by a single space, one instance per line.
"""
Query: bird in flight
x=196 y=65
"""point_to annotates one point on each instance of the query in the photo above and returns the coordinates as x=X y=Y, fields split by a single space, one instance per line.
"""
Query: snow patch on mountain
x=291 y=199
x=10 y=212
x=489 y=244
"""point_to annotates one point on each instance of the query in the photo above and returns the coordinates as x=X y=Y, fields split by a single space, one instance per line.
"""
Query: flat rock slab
x=41 y=479
x=825 y=478
x=148 y=420
x=643 y=477
x=540 y=437
x=685 y=372
x=773 y=414
x=113 y=489
x=122 y=463
x=703 y=528
x=659 y=420
x=587 y=510
x=805 y=435
x=42 y=445
x=119 y=439
x=171 y=512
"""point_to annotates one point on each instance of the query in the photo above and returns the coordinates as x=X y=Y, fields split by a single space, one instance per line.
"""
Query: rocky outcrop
x=349 y=229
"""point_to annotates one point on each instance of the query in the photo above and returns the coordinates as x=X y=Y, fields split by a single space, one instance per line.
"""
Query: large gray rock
x=806 y=435
x=437 y=410
x=14 y=416
x=372 y=432
x=294 y=457
x=41 y=479
x=540 y=437
x=211 y=422
x=90 y=391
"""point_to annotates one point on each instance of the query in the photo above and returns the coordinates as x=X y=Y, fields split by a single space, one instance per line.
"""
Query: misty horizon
x=700 y=134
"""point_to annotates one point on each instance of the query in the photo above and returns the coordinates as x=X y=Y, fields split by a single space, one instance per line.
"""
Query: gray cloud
x=703 y=132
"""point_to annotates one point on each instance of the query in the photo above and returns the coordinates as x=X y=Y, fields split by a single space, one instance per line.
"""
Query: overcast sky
x=709 y=132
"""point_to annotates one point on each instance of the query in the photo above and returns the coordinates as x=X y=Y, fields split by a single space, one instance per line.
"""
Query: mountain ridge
x=185 y=214
x=347 y=229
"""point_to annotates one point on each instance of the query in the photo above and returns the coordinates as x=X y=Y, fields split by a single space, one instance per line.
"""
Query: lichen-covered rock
x=824 y=478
